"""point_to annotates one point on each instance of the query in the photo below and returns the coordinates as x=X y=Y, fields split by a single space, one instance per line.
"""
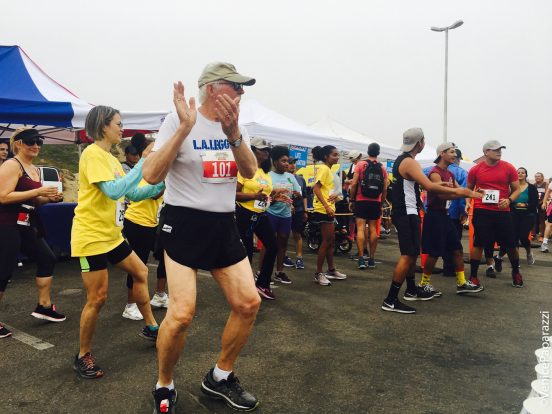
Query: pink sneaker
x=266 y=293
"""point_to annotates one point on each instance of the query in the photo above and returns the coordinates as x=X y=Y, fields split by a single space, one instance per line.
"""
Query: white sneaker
x=160 y=301
x=132 y=312
x=321 y=279
x=544 y=248
x=530 y=259
x=335 y=274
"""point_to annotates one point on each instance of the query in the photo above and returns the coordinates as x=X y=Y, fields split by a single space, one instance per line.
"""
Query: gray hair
x=97 y=119
x=202 y=96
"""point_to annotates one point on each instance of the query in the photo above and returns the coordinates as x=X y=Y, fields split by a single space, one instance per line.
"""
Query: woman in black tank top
x=21 y=193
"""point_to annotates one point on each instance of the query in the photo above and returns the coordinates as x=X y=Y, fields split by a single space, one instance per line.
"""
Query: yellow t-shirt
x=261 y=181
x=98 y=219
x=145 y=212
x=324 y=176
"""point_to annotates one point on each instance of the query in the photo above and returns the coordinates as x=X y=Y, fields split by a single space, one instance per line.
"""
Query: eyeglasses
x=238 y=87
x=32 y=141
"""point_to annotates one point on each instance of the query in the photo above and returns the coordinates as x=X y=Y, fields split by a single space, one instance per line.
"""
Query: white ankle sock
x=545 y=241
x=220 y=374
x=170 y=386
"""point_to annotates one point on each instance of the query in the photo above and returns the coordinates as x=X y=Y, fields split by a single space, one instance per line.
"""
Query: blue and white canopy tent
x=28 y=96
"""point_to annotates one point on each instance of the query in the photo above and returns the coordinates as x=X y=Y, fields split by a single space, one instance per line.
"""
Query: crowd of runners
x=203 y=192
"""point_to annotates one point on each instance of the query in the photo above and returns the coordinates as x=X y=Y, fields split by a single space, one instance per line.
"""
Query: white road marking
x=30 y=340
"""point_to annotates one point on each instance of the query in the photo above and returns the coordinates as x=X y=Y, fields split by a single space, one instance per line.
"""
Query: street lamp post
x=456 y=24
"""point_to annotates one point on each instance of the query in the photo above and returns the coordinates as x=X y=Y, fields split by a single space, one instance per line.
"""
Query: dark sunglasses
x=236 y=86
x=32 y=141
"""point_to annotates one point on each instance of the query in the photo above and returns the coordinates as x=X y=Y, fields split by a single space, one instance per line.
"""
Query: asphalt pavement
x=314 y=349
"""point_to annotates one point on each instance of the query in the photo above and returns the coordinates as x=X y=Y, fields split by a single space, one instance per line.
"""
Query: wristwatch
x=236 y=143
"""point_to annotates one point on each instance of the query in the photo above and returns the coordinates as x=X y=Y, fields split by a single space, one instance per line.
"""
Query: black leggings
x=263 y=229
x=15 y=238
x=522 y=223
x=142 y=241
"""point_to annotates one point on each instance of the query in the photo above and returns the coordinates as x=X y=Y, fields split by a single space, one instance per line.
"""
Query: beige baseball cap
x=492 y=145
x=353 y=155
x=410 y=138
x=223 y=71
x=259 y=143
x=445 y=146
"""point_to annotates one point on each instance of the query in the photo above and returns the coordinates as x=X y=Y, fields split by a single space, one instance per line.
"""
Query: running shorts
x=439 y=235
x=490 y=227
x=99 y=261
x=200 y=239
x=367 y=210
x=408 y=228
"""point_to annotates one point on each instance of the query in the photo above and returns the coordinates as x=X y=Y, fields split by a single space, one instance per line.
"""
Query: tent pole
x=79 y=145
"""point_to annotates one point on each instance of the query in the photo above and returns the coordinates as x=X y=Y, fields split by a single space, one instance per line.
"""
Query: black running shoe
x=498 y=263
x=490 y=272
x=150 y=333
x=397 y=306
x=421 y=293
x=229 y=390
x=164 y=401
x=469 y=287
x=4 y=332
x=86 y=366
x=48 y=314
x=282 y=278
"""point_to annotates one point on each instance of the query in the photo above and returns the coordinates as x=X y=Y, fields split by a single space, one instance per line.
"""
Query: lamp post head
x=456 y=24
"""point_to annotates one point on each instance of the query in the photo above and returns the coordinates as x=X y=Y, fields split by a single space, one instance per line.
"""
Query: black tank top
x=406 y=193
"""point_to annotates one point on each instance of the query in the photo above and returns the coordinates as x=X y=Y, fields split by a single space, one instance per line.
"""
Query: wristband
x=510 y=200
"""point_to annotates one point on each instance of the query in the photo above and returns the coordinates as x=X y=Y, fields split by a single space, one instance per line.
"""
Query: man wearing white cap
x=440 y=237
x=491 y=220
x=200 y=153
x=408 y=176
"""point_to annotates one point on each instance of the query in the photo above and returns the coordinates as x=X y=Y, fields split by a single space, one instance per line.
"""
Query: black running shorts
x=439 y=235
x=408 y=228
x=298 y=221
x=367 y=210
x=201 y=239
x=322 y=218
x=493 y=226
x=99 y=261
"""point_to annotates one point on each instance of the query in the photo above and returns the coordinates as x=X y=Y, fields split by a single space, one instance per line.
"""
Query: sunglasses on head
x=30 y=141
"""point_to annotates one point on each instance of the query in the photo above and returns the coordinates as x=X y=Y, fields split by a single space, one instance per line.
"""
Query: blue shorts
x=281 y=225
x=439 y=235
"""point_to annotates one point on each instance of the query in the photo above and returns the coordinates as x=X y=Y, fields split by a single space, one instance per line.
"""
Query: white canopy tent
x=332 y=127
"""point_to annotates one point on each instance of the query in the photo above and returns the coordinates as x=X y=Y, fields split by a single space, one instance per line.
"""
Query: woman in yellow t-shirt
x=327 y=190
x=140 y=231
x=252 y=200
x=96 y=236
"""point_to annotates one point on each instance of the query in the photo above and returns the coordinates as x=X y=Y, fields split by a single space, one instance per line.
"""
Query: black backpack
x=371 y=182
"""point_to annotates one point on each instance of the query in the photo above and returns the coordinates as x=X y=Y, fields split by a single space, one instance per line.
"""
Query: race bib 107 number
x=490 y=197
x=219 y=167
